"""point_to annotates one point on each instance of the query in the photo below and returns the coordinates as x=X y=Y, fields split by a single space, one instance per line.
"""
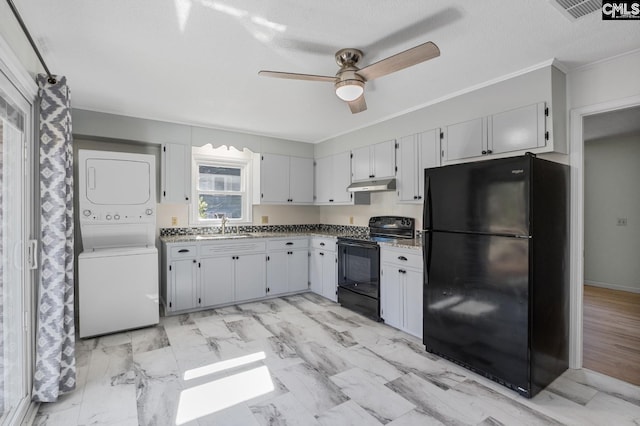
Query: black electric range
x=359 y=263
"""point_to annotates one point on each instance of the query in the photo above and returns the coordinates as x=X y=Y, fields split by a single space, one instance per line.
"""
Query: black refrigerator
x=496 y=282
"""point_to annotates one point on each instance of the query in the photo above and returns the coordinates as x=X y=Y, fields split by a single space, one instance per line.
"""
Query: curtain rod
x=51 y=78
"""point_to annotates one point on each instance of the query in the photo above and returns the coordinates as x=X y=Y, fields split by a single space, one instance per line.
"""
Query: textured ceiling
x=196 y=61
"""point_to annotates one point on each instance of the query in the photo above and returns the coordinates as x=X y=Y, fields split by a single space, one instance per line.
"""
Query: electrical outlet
x=350 y=220
x=622 y=221
x=265 y=219
x=174 y=221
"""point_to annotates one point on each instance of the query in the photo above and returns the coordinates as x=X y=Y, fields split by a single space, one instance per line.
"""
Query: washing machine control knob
x=86 y=212
x=116 y=217
x=149 y=212
x=108 y=217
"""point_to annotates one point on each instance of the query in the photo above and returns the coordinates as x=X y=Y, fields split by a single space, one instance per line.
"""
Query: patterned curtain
x=55 y=370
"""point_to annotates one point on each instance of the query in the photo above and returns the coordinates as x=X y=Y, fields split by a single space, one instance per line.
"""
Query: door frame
x=13 y=69
x=576 y=161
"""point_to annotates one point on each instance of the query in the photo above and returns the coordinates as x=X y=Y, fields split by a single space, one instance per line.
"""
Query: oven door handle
x=363 y=245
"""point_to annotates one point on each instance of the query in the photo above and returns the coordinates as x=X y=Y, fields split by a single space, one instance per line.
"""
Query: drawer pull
x=289 y=243
x=322 y=244
x=402 y=258
x=183 y=251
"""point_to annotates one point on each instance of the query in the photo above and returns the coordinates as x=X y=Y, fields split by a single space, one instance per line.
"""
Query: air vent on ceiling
x=574 y=9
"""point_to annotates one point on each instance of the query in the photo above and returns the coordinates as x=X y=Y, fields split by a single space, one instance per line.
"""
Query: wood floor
x=612 y=333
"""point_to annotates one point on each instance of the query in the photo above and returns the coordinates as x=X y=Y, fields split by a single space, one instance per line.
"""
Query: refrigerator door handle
x=427 y=213
x=427 y=241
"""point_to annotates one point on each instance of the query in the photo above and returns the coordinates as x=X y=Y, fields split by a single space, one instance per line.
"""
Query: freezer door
x=476 y=303
x=485 y=197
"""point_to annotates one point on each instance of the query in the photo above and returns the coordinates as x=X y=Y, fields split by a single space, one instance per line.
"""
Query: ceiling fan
x=349 y=80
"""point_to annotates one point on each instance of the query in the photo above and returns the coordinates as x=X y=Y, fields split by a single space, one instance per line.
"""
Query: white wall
x=611 y=178
x=16 y=40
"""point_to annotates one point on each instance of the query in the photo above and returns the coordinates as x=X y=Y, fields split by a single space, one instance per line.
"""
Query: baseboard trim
x=612 y=286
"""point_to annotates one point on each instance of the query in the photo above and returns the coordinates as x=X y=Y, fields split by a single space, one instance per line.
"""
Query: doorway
x=16 y=274
x=611 y=303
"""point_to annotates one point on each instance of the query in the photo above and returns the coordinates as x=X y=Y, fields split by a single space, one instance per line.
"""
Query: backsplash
x=339 y=229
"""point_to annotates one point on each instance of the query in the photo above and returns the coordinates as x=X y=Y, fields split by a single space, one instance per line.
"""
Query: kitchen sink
x=222 y=236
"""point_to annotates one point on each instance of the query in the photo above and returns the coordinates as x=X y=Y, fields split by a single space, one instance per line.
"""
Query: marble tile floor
x=303 y=360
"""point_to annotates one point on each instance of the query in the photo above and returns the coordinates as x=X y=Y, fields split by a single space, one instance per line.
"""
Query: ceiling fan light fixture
x=349 y=90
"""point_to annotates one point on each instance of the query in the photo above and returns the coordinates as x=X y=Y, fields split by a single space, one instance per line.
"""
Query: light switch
x=174 y=220
x=265 y=219
x=622 y=221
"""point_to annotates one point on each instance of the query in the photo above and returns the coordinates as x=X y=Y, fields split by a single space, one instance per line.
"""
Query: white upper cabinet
x=376 y=161
x=176 y=173
x=286 y=180
x=301 y=180
x=465 y=140
x=333 y=176
x=416 y=153
x=516 y=130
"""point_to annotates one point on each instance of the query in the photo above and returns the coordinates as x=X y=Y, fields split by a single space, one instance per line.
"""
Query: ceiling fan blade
x=358 y=105
x=400 y=61
x=294 y=76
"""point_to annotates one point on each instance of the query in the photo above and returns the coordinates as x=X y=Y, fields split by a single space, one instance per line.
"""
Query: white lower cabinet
x=287 y=265
x=212 y=274
x=401 y=286
x=249 y=270
x=323 y=267
x=217 y=280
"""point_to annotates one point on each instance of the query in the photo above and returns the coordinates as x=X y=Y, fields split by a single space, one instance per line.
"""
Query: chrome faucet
x=224 y=225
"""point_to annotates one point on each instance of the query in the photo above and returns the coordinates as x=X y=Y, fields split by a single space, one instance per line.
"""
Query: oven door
x=359 y=277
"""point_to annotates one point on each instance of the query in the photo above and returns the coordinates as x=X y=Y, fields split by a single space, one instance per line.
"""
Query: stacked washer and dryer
x=118 y=267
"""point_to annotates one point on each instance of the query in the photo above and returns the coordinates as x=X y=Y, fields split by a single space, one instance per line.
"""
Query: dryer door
x=117 y=182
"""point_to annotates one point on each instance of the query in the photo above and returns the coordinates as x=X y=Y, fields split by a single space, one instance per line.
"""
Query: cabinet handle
x=322 y=244
x=186 y=198
x=489 y=151
x=402 y=271
x=402 y=258
x=183 y=251
x=194 y=261
x=484 y=152
x=321 y=254
x=331 y=201
x=419 y=197
x=415 y=197
x=372 y=176
x=289 y=243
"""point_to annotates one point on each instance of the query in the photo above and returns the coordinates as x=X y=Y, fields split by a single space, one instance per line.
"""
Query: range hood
x=373 y=185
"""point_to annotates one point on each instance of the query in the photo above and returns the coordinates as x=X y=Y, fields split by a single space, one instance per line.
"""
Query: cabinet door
x=384 y=159
x=250 y=276
x=407 y=169
x=216 y=281
x=518 y=129
x=391 y=282
x=341 y=178
x=301 y=180
x=361 y=164
x=428 y=147
x=274 y=178
x=315 y=270
x=298 y=262
x=176 y=173
x=324 y=179
x=330 y=276
x=413 y=302
x=277 y=276
x=183 y=285
x=464 y=140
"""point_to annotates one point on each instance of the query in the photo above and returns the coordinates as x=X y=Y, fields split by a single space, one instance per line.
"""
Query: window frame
x=245 y=166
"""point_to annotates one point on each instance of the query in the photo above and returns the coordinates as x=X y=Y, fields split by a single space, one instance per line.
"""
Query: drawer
x=227 y=248
x=328 y=244
x=289 y=243
x=182 y=252
x=402 y=257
